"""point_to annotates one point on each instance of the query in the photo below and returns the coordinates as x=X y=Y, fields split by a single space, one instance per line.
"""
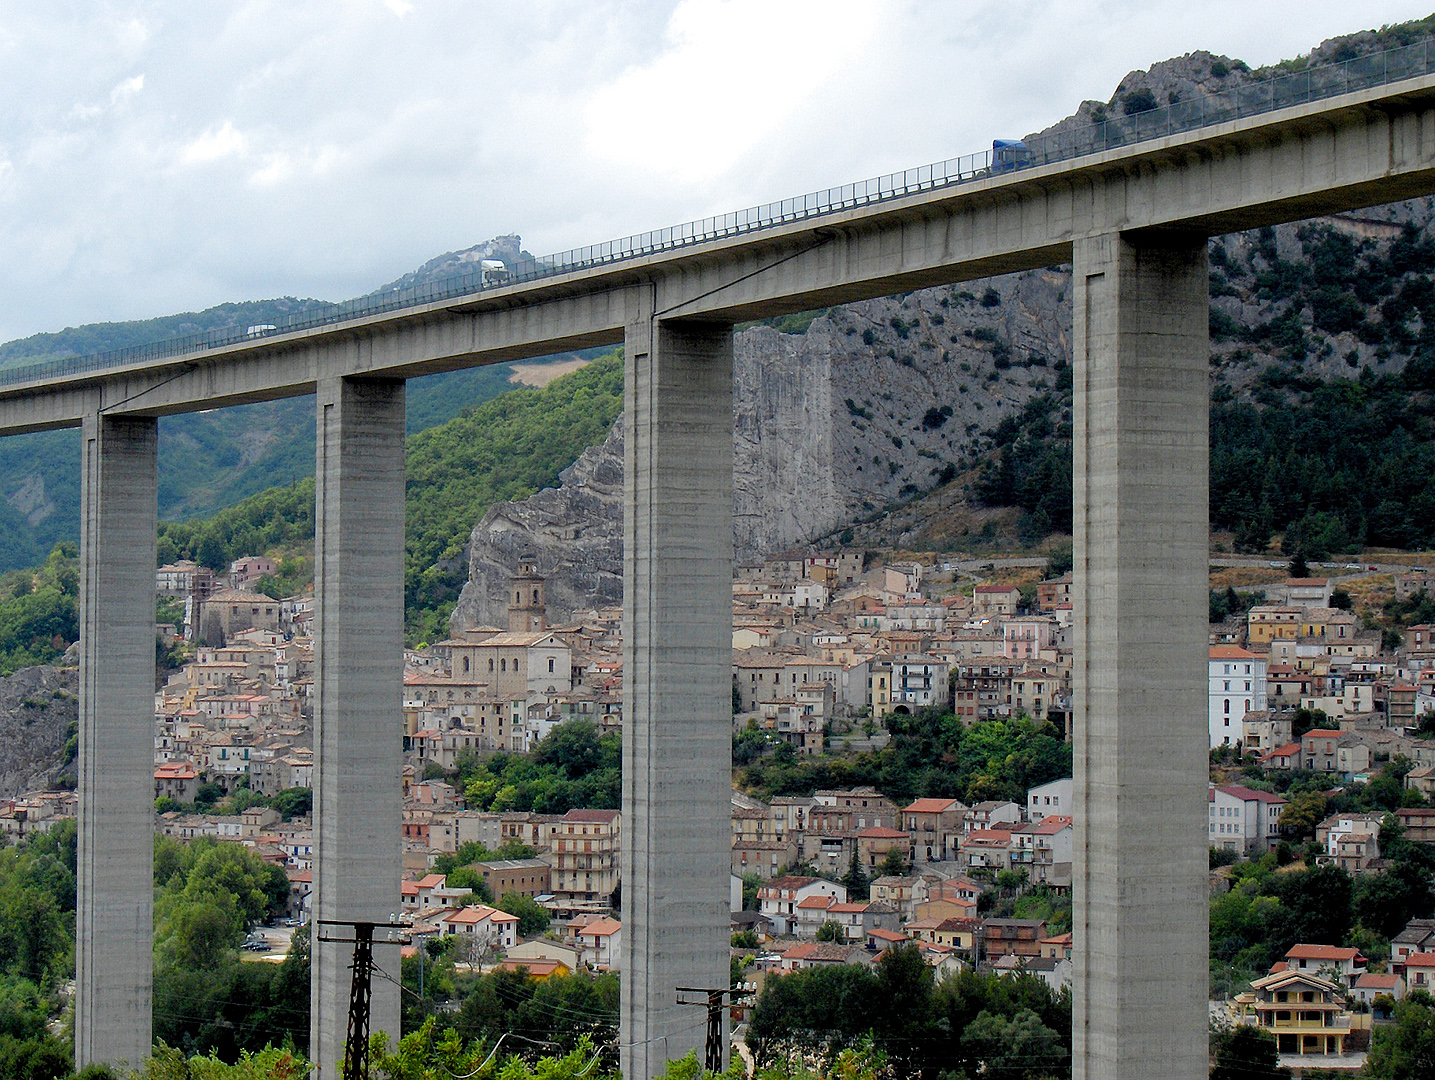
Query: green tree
x=831 y=931
x=292 y=802
x=855 y=879
x=533 y=917
x=812 y=1008
x=1017 y=1048
x=433 y=1053
x=893 y=865
x=1303 y=812
x=1246 y=1053
x=1405 y=1049
x=466 y=877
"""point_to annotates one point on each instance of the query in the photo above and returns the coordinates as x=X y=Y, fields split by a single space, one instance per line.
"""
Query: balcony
x=1333 y=1024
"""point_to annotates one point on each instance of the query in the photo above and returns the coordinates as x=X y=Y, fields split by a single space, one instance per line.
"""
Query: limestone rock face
x=849 y=420
x=874 y=403
x=37 y=706
x=573 y=533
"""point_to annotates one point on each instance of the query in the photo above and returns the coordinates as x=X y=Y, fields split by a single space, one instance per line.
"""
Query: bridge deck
x=1348 y=151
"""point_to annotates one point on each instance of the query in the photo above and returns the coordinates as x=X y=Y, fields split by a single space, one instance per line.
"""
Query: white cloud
x=127 y=89
x=163 y=156
x=731 y=73
x=214 y=144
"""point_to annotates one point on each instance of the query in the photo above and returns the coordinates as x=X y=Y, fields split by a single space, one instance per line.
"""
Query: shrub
x=1138 y=101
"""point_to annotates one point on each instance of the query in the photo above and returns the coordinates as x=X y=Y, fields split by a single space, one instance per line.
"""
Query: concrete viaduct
x=1134 y=222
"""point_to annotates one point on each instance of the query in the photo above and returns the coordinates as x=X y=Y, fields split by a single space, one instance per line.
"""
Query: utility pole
x=713 y=999
x=356 y=1041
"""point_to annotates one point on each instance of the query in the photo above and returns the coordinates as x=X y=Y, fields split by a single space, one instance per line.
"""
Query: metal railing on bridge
x=1278 y=91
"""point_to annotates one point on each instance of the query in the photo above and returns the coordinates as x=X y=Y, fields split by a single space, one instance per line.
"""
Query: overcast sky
x=168 y=155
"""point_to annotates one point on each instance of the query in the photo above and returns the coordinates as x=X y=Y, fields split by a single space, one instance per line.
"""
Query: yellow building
x=1304 y=1012
x=1267 y=622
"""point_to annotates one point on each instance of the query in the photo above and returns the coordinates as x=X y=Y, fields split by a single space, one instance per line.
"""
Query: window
x=465 y=665
x=503 y=666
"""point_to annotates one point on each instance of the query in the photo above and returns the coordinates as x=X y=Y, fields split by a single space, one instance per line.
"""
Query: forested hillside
x=212 y=459
x=503 y=449
x=1322 y=398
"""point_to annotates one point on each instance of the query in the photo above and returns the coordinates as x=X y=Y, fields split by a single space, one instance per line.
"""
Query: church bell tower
x=526 y=611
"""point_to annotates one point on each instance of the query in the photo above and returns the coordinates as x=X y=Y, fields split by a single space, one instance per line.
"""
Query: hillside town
x=827 y=650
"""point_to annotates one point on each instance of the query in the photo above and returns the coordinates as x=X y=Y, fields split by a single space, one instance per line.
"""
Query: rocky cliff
x=38 y=705
x=872 y=404
x=877 y=411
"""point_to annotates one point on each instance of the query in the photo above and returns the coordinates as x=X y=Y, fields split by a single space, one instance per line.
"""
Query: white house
x=1243 y=820
x=918 y=681
x=483 y=925
x=1052 y=798
x=1237 y=685
x=1346 y=963
x=779 y=899
x=599 y=944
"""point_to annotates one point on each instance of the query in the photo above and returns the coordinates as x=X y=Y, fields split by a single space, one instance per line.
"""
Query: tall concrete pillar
x=358 y=694
x=677 y=633
x=1141 y=468
x=114 y=928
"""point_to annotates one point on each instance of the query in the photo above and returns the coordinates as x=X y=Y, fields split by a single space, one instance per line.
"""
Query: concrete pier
x=358 y=685
x=114 y=920
x=677 y=615
x=1139 y=594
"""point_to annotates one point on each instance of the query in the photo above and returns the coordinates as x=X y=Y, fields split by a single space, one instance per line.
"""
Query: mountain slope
x=212 y=459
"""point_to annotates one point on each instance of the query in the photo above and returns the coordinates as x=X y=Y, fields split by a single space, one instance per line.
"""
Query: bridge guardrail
x=1266 y=95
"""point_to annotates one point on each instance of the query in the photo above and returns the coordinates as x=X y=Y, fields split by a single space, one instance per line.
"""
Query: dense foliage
x=1343 y=465
x=39 y=610
x=208 y=894
x=1269 y=909
x=1245 y=1053
x=968 y=1024
x=931 y=753
x=37 y=931
x=557 y=1014
x=1335 y=464
x=1031 y=466
x=500 y=450
x=1405 y=1049
x=572 y=767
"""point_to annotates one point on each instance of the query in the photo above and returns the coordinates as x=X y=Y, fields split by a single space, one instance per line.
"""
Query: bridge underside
x=1134 y=222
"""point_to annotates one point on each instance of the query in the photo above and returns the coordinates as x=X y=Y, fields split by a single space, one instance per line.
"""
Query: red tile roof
x=929 y=806
x=819 y=902
x=1323 y=952
x=601 y=928
x=1245 y=794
